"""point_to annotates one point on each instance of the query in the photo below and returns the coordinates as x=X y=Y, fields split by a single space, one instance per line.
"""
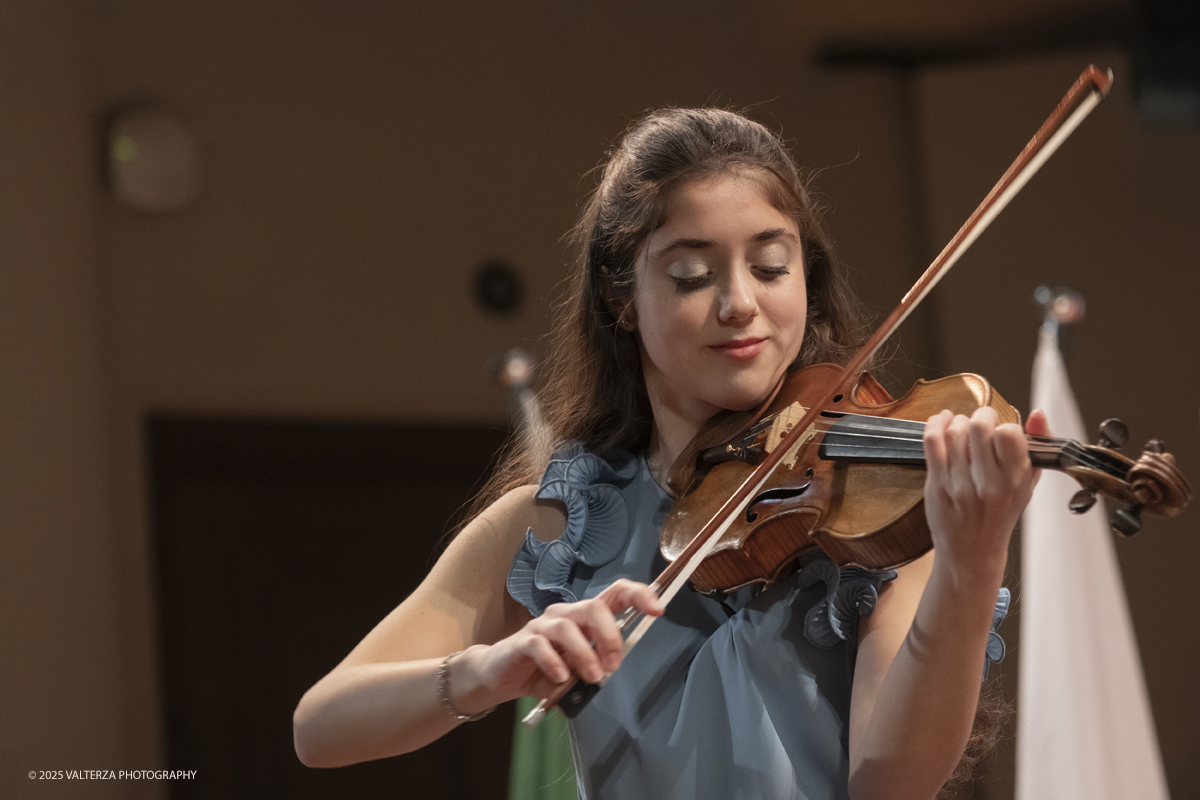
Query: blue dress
x=750 y=699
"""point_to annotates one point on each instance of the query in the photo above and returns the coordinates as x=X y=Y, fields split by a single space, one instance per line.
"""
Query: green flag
x=542 y=765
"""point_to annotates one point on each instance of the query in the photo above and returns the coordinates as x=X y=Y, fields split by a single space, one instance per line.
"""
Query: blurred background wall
x=360 y=160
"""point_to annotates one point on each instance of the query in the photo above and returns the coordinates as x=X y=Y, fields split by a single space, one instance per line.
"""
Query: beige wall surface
x=358 y=167
x=361 y=159
x=62 y=697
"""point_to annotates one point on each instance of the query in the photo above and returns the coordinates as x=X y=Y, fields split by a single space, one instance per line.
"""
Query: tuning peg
x=1113 y=434
x=1155 y=446
x=1082 y=501
x=1127 y=521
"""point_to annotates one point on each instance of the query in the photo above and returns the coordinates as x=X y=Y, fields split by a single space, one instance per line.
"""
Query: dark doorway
x=279 y=545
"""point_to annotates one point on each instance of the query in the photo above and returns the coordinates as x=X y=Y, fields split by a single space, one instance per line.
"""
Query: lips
x=740 y=348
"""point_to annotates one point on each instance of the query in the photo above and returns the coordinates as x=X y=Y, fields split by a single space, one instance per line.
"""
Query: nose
x=738 y=303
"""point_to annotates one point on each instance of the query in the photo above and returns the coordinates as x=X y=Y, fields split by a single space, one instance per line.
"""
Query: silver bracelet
x=442 y=678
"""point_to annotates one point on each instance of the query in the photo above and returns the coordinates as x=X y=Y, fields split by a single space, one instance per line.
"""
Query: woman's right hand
x=383 y=698
x=580 y=638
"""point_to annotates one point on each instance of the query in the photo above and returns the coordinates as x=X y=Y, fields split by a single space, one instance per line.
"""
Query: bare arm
x=381 y=700
x=921 y=653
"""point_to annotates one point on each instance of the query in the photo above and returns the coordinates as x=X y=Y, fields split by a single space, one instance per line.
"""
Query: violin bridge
x=782 y=425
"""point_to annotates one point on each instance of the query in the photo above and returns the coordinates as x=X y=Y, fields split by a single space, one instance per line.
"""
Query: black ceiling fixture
x=1166 y=60
x=1162 y=36
x=1042 y=34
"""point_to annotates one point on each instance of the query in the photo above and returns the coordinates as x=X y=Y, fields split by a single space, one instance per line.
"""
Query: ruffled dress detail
x=597 y=527
x=740 y=700
x=850 y=593
x=995 y=644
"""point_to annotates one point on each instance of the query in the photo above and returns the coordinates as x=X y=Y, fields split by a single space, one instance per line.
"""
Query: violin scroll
x=1152 y=483
x=1158 y=483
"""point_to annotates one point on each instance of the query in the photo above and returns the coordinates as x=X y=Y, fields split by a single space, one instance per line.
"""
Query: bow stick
x=1092 y=86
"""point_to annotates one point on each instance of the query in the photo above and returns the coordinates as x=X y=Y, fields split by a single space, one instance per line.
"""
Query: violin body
x=853 y=484
x=864 y=514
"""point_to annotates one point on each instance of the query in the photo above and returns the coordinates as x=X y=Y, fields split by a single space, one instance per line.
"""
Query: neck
x=675 y=424
x=671 y=435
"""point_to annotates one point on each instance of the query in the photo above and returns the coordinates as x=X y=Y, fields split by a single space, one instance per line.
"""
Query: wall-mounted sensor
x=498 y=287
x=152 y=161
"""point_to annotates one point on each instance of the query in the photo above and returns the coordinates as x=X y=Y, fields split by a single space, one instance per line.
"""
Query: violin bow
x=1091 y=87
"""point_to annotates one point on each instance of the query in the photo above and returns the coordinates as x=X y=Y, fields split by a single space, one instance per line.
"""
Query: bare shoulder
x=898 y=601
x=464 y=599
x=497 y=533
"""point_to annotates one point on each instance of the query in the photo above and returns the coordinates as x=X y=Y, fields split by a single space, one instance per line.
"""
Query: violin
x=830 y=460
x=854 y=486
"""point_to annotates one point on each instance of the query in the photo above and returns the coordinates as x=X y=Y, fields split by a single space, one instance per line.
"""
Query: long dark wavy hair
x=592 y=390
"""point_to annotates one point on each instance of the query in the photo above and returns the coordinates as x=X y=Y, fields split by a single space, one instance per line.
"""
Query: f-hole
x=778 y=493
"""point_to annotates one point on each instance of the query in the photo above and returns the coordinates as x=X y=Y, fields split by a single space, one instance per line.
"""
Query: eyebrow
x=773 y=233
x=700 y=244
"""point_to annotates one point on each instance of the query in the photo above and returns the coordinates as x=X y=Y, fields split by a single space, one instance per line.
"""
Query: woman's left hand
x=979 y=481
x=916 y=679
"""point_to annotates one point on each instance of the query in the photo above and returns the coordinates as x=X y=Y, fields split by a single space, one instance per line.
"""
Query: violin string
x=1037 y=444
x=1074 y=451
x=916 y=446
x=1087 y=457
x=881 y=423
x=878 y=428
x=909 y=435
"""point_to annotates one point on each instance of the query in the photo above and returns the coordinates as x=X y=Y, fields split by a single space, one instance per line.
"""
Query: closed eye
x=692 y=282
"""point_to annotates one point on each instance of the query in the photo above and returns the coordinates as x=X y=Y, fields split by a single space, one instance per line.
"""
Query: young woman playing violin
x=703 y=276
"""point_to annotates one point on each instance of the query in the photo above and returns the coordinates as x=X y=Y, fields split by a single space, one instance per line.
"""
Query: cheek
x=792 y=313
x=683 y=324
x=659 y=336
x=669 y=327
x=800 y=325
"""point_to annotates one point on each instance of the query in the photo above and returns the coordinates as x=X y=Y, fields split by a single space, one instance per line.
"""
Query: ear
x=620 y=304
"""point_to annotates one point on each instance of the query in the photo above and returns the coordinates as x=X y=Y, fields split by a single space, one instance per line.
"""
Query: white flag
x=1084 y=729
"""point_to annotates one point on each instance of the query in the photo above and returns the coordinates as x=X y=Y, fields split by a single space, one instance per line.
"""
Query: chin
x=744 y=400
